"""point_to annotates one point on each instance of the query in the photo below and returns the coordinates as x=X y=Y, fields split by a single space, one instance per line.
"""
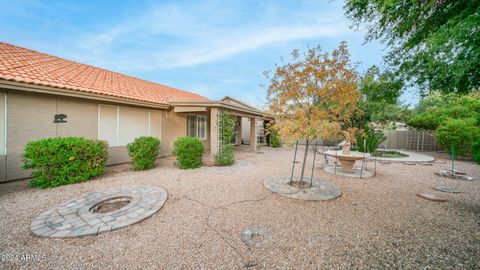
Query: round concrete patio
x=321 y=190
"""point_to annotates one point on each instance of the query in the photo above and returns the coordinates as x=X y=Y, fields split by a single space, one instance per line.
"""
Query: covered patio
x=240 y=110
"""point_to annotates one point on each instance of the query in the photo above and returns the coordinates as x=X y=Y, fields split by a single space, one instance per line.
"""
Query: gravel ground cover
x=377 y=223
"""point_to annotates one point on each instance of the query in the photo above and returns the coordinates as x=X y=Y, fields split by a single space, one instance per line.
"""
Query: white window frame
x=197 y=121
x=118 y=122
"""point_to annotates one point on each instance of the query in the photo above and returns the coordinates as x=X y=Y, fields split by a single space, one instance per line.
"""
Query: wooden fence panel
x=410 y=140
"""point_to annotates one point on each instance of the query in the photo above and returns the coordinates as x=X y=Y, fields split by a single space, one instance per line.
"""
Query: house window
x=3 y=124
x=197 y=126
x=121 y=125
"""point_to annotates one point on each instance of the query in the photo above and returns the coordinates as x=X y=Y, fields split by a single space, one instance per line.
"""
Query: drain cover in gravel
x=98 y=212
x=256 y=237
x=321 y=190
x=431 y=197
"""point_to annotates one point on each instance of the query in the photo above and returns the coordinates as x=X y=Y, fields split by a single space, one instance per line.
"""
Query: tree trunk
x=304 y=160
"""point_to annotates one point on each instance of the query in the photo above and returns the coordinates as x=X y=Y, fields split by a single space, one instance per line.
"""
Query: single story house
x=45 y=96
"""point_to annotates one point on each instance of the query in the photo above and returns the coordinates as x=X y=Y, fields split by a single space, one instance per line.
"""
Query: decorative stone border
x=354 y=174
x=321 y=190
x=247 y=236
x=74 y=218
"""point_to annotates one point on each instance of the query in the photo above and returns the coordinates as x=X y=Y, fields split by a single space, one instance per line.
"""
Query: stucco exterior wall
x=174 y=125
x=30 y=117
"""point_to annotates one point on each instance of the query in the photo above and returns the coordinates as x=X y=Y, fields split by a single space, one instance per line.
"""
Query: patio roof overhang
x=236 y=109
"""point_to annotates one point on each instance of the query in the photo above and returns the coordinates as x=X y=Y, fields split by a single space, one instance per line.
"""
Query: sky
x=213 y=48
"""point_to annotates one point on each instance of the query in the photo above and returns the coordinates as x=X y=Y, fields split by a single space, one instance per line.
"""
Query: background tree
x=435 y=44
x=313 y=96
x=454 y=120
x=380 y=98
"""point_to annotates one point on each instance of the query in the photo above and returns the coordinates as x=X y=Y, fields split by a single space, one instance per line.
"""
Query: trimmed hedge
x=62 y=161
x=189 y=152
x=143 y=151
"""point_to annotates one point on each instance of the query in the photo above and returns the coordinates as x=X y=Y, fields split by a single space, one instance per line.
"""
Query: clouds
x=211 y=47
x=175 y=36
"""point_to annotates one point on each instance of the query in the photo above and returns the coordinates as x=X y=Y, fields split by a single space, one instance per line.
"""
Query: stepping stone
x=446 y=189
x=426 y=163
x=454 y=176
x=409 y=163
x=385 y=161
x=431 y=197
x=456 y=172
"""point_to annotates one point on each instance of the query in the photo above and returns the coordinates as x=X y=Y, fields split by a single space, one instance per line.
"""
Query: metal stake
x=313 y=165
x=453 y=161
x=294 y=159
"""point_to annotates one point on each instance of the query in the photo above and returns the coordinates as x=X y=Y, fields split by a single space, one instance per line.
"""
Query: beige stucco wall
x=30 y=117
x=174 y=125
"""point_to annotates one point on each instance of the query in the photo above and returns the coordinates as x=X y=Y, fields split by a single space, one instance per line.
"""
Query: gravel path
x=378 y=222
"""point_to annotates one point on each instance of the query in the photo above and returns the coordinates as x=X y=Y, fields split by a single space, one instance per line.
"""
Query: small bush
x=144 y=152
x=461 y=133
x=189 y=152
x=370 y=139
x=476 y=152
x=275 y=141
x=225 y=156
x=62 y=161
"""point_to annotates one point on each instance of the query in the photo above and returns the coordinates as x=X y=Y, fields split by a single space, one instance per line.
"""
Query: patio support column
x=213 y=133
x=239 y=132
x=253 y=134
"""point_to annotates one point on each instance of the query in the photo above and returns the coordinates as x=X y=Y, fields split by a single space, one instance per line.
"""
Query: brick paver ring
x=82 y=216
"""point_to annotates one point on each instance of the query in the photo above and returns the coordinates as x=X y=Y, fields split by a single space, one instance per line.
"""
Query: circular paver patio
x=357 y=173
x=79 y=217
x=321 y=190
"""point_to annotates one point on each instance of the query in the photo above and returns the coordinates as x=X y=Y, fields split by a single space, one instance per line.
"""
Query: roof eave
x=27 y=87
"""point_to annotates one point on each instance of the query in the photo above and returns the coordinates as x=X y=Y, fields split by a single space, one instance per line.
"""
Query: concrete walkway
x=412 y=157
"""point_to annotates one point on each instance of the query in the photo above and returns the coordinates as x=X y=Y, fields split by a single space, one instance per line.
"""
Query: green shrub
x=61 y=161
x=189 y=152
x=225 y=156
x=476 y=152
x=144 y=152
x=461 y=133
x=275 y=141
x=226 y=123
x=370 y=139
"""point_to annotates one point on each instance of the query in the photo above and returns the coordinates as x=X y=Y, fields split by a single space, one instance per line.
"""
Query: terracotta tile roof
x=28 y=66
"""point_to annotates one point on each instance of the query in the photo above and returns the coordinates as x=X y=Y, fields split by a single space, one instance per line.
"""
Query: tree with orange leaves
x=314 y=96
